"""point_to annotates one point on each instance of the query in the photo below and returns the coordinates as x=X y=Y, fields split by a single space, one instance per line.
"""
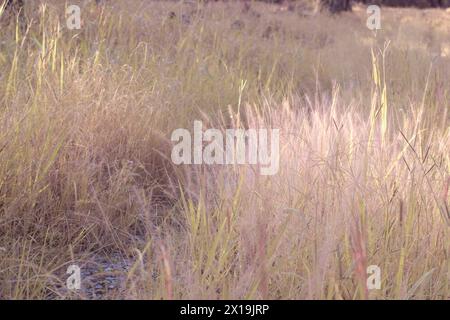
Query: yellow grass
x=85 y=170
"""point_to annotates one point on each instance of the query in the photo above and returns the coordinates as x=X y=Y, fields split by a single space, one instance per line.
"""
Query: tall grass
x=85 y=169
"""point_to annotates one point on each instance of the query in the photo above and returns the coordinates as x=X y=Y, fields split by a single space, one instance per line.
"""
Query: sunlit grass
x=85 y=169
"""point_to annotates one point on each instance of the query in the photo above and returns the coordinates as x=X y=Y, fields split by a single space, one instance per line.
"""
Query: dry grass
x=85 y=170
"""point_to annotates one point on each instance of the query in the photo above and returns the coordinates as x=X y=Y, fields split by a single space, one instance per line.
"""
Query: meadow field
x=86 y=176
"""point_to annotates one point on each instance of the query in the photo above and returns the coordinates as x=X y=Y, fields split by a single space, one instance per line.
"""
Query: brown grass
x=86 y=175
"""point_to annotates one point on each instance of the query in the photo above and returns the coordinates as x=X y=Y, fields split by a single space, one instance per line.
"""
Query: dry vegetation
x=86 y=176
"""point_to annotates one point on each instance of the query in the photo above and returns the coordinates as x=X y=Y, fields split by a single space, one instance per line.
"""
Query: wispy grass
x=85 y=170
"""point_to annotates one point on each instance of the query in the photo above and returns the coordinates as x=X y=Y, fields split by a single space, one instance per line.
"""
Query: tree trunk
x=13 y=8
x=336 y=6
